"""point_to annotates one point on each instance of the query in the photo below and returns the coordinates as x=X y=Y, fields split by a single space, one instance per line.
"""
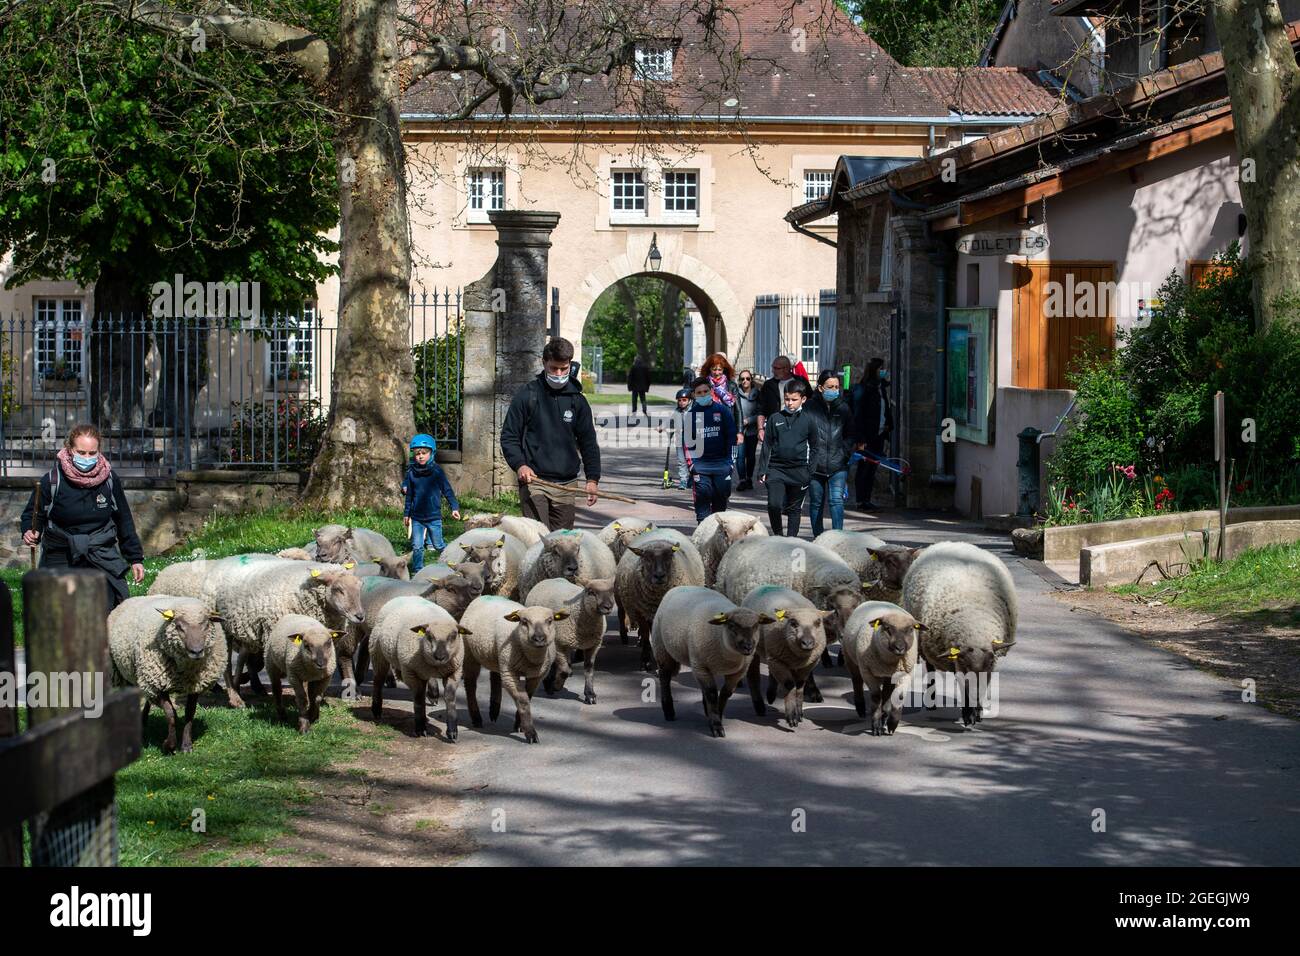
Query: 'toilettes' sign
x=1002 y=244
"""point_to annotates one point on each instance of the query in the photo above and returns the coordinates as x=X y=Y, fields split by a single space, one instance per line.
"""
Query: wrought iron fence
x=173 y=394
x=803 y=326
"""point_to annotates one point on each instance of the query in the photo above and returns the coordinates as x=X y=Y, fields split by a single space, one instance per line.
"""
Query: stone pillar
x=506 y=314
x=917 y=419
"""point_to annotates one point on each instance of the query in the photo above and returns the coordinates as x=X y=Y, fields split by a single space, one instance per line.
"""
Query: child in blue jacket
x=425 y=485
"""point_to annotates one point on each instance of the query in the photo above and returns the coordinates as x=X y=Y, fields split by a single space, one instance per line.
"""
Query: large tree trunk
x=1264 y=86
x=118 y=347
x=370 y=420
x=628 y=293
x=671 y=328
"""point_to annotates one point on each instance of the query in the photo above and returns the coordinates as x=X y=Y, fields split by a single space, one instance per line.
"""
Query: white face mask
x=556 y=381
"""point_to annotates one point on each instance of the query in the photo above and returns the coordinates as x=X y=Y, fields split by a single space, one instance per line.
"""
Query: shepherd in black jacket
x=784 y=463
x=833 y=424
x=84 y=519
x=638 y=383
x=547 y=430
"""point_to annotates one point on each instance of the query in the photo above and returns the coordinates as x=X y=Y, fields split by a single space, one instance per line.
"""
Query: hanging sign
x=1003 y=244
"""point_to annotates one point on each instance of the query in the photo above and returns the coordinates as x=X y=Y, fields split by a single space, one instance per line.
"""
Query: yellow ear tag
x=617 y=526
x=336 y=634
x=953 y=653
x=297 y=640
x=780 y=615
x=676 y=547
x=349 y=565
x=916 y=627
x=451 y=564
x=875 y=624
x=874 y=558
x=998 y=640
x=315 y=572
x=167 y=613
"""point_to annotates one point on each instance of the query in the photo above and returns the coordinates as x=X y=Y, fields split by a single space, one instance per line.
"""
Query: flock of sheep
x=526 y=604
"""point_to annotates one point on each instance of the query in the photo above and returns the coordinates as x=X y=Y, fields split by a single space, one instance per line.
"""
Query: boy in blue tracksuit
x=425 y=485
x=708 y=436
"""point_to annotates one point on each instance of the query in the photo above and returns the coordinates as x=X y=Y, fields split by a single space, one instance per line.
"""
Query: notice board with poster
x=971 y=352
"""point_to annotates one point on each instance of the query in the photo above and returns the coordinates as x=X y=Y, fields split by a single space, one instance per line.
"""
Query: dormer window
x=654 y=61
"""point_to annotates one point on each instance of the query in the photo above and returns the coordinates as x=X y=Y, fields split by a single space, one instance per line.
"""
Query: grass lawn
x=1265 y=579
x=624 y=398
x=247 y=772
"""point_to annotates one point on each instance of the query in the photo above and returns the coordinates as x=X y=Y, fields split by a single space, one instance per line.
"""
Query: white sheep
x=880 y=648
x=453 y=594
x=855 y=547
x=527 y=530
x=187 y=578
x=166 y=645
x=336 y=543
x=620 y=532
x=575 y=555
x=294 y=554
x=791 y=646
x=301 y=649
x=653 y=564
x=422 y=644
x=511 y=641
x=501 y=552
x=395 y=568
x=967 y=601
x=702 y=629
x=252 y=599
x=718 y=532
x=588 y=605
x=475 y=572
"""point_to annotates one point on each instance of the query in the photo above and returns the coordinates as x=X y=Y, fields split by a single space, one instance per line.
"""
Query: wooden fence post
x=11 y=836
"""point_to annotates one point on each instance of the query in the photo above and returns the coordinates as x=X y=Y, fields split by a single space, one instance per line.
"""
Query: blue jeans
x=818 y=489
x=419 y=531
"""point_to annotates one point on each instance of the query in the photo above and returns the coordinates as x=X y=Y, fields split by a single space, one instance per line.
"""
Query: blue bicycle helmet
x=423 y=441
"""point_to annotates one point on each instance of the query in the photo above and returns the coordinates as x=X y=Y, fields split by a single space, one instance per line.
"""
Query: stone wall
x=165 y=510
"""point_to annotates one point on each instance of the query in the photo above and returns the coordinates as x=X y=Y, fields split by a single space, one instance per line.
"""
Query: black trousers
x=554 y=509
x=751 y=449
x=785 y=494
x=865 y=480
x=52 y=557
x=644 y=407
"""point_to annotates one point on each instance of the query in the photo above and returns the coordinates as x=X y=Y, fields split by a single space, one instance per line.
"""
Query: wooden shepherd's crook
x=582 y=491
x=36 y=512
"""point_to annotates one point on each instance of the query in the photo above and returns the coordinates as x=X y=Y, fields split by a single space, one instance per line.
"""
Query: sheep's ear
x=349 y=565
x=769 y=619
x=336 y=634
x=876 y=623
x=875 y=555
x=866 y=585
x=780 y=614
x=417 y=630
x=637 y=551
x=167 y=613
x=918 y=626
x=452 y=564
x=677 y=547
x=827 y=615
x=953 y=653
x=617 y=526
x=460 y=629
x=315 y=572
x=720 y=618
x=561 y=615
x=296 y=638
x=215 y=618
x=512 y=616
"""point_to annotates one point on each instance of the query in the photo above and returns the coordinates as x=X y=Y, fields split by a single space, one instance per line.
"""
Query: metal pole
x=1221 y=456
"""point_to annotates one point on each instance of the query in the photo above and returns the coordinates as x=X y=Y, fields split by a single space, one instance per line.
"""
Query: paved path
x=1090 y=720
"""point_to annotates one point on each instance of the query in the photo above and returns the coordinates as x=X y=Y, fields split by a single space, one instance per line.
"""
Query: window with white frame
x=810 y=341
x=60 y=339
x=816 y=184
x=886 y=256
x=487 y=189
x=628 y=194
x=682 y=193
x=654 y=61
x=293 y=345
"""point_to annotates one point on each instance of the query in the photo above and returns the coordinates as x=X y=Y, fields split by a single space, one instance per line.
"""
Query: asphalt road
x=1093 y=727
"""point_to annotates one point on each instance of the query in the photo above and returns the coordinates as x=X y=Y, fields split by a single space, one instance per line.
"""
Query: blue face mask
x=84 y=464
x=704 y=401
x=884 y=376
x=831 y=394
x=556 y=381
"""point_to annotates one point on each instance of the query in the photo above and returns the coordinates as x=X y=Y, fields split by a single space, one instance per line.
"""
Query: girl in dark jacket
x=722 y=382
x=833 y=424
x=84 y=520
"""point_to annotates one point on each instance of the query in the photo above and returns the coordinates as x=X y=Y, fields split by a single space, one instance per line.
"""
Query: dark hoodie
x=424 y=487
x=549 y=429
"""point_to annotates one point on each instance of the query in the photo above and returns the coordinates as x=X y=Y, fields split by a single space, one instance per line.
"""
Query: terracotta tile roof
x=988 y=91
x=839 y=73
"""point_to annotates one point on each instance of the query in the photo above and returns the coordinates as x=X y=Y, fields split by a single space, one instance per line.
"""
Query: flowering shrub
x=268 y=434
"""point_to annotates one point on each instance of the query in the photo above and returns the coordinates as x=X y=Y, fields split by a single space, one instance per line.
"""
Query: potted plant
x=60 y=378
x=293 y=376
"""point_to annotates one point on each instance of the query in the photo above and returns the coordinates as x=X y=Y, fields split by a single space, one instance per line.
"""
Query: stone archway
x=724 y=316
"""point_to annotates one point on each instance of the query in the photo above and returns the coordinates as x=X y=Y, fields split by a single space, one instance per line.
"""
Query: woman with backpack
x=84 y=520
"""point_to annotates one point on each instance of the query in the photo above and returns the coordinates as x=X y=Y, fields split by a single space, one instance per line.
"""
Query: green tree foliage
x=439 y=375
x=612 y=326
x=928 y=32
x=119 y=157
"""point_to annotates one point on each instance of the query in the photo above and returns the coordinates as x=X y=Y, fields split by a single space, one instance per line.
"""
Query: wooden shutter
x=1043 y=348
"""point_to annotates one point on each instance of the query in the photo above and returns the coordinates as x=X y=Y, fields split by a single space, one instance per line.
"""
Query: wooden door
x=1042 y=345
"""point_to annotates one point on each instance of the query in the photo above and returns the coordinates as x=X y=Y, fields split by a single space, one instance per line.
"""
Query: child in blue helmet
x=425 y=485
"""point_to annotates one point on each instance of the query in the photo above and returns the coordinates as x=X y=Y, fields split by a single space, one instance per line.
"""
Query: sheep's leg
x=549 y=680
x=315 y=696
x=494 y=694
x=362 y=662
x=562 y=669
x=893 y=705
x=255 y=665
x=144 y=716
x=523 y=704
x=877 y=705
x=232 y=687
x=418 y=692
x=169 y=745
x=789 y=688
x=755 y=694
x=434 y=692
x=855 y=675
x=449 y=698
x=377 y=691
x=773 y=685
x=349 y=688
x=810 y=691
x=709 y=688
x=187 y=727
x=275 y=695
x=622 y=620
x=300 y=698
x=668 y=669
x=589 y=674
x=647 y=653
x=728 y=688
x=472 y=667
